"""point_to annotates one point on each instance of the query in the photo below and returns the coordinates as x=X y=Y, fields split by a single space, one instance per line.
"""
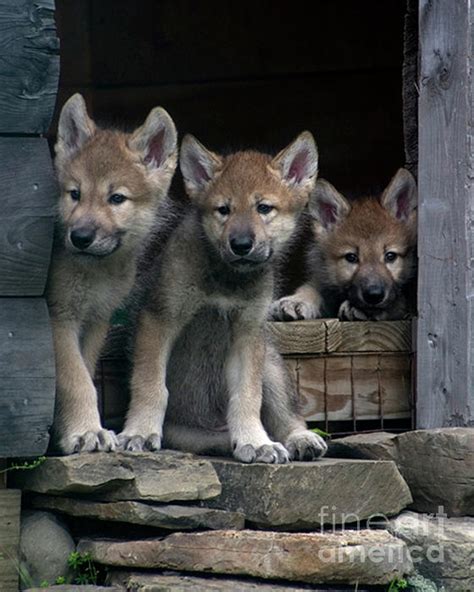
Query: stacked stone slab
x=204 y=516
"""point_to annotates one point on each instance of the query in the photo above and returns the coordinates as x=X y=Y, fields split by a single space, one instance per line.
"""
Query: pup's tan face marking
x=249 y=202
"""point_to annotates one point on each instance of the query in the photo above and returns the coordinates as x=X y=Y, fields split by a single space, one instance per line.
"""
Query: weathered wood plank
x=26 y=224
x=359 y=387
x=330 y=335
x=301 y=337
x=10 y=503
x=380 y=336
x=27 y=377
x=445 y=341
x=29 y=66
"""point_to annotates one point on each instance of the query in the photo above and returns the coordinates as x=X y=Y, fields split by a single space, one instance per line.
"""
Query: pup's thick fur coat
x=202 y=357
x=111 y=186
x=362 y=263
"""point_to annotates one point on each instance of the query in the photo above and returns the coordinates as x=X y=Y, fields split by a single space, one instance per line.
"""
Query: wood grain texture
x=357 y=387
x=27 y=377
x=330 y=335
x=27 y=215
x=10 y=504
x=379 y=336
x=445 y=340
x=300 y=337
x=29 y=68
x=410 y=87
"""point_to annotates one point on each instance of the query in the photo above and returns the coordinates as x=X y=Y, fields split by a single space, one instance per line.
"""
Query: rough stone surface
x=438 y=466
x=45 y=545
x=373 y=446
x=72 y=588
x=164 y=476
x=173 y=517
x=305 y=495
x=441 y=548
x=366 y=557
x=180 y=582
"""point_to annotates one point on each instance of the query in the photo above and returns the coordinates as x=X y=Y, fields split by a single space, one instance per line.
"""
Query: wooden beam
x=10 y=502
x=27 y=377
x=29 y=71
x=27 y=202
x=445 y=340
x=331 y=336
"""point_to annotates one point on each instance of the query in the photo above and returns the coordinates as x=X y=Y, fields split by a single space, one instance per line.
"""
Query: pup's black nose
x=82 y=238
x=373 y=294
x=241 y=245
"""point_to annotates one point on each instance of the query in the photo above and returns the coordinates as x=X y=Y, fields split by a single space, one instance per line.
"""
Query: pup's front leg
x=244 y=370
x=143 y=428
x=348 y=312
x=304 y=304
x=77 y=426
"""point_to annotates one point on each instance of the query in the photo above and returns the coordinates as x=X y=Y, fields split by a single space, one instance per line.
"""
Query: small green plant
x=397 y=584
x=44 y=584
x=84 y=569
x=321 y=433
x=60 y=580
x=25 y=466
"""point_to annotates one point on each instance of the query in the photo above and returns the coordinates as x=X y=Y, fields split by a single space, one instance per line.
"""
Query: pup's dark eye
x=75 y=194
x=390 y=256
x=223 y=210
x=116 y=199
x=351 y=258
x=264 y=208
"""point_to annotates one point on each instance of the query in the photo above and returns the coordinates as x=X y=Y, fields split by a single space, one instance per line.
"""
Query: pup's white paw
x=306 y=445
x=347 y=312
x=91 y=441
x=274 y=453
x=291 y=308
x=139 y=443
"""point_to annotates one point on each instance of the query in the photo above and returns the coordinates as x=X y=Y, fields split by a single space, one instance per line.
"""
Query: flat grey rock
x=442 y=548
x=365 y=557
x=162 y=476
x=302 y=496
x=73 y=588
x=167 y=516
x=180 y=582
x=373 y=446
x=438 y=466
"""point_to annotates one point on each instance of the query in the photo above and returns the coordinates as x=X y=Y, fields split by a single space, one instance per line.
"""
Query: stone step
x=166 y=516
x=180 y=582
x=301 y=496
x=162 y=477
x=364 y=557
x=437 y=464
x=296 y=496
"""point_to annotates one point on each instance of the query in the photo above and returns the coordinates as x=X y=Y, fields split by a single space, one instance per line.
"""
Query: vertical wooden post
x=445 y=340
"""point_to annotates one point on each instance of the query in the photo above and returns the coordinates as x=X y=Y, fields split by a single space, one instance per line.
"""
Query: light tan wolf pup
x=201 y=355
x=111 y=185
x=362 y=264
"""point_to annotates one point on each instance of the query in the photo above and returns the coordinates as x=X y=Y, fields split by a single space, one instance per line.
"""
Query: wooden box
x=350 y=376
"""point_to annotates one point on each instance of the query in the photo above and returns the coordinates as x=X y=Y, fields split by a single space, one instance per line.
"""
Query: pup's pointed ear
x=297 y=164
x=199 y=165
x=74 y=129
x=156 y=143
x=327 y=206
x=400 y=197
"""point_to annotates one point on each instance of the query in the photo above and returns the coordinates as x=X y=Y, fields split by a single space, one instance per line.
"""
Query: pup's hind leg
x=199 y=441
x=280 y=415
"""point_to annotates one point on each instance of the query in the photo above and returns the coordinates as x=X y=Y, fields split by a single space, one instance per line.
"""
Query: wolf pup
x=111 y=184
x=202 y=356
x=362 y=264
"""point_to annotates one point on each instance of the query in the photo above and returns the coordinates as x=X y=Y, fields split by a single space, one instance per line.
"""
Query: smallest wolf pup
x=362 y=263
x=111 y=186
